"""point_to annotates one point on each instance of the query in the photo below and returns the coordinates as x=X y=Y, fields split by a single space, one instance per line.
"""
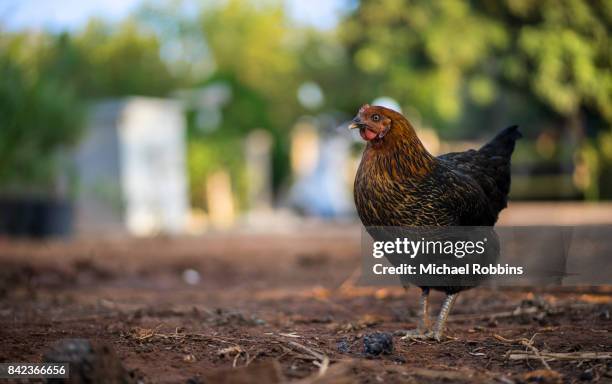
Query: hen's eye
x=376 y=117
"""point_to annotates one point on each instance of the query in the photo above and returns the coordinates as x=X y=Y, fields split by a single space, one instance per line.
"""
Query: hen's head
x=376 y=122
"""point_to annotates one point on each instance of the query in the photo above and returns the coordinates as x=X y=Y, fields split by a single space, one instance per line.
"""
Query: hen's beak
x=355 y=123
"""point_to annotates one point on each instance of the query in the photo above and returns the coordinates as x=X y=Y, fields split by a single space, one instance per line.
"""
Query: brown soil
x=282 y=303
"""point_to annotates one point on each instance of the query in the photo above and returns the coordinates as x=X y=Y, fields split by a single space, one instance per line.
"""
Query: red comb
x=363 y=108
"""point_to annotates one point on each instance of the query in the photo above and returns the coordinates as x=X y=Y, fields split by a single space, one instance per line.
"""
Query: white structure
x=131 y=168
x=321 y=167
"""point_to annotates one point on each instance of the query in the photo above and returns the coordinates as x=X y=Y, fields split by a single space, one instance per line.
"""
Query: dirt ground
x=279 y=308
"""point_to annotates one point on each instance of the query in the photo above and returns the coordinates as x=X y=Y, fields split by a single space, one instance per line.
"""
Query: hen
x=400 y=184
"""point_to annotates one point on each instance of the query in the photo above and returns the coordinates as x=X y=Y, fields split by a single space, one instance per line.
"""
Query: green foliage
x=250 y=42
x=208 y=156
x=246 y=109
x=424 y=54
x=596 y=155
x=444 y=57
x=475 y=66
x=44 y=82
x=461 y=67
x=219 y=145
x=249 y=47
x=107 y=61
x=324 y=60
x=562 y=53
x=38 y=118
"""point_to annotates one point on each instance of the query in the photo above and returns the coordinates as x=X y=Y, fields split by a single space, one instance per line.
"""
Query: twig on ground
x=529 y=344
x=569 y=356
x=320 y=359
x=497 y=315
x=536 y=352
x=519 y=311
x=290 y=334
x=318 y=355
x=234 y=349
x=323 y=366
x=545 y=357
x=249 y=361
x=144 y=333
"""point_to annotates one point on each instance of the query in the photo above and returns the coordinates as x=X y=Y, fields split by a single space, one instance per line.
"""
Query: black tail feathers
x=503 y=143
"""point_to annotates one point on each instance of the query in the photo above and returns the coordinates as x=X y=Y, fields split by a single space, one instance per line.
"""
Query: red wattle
x=368 y=135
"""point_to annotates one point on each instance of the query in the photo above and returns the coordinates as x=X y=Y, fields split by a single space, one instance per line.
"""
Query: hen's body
x=461 y=188
x=400 y=184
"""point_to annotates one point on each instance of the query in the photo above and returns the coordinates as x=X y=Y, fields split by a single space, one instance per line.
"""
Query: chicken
x=400 y=184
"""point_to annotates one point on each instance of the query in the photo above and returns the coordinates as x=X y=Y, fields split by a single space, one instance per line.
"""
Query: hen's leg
x=443 y=316
x=424 y=323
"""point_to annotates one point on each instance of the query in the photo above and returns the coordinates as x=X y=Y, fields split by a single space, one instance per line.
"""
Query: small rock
x=343 y=346
x=258 y=321
x=191 y=276
x=189 y=358
x=376 y=343
x=89 y=362
x=587 y=375
x=399 y=360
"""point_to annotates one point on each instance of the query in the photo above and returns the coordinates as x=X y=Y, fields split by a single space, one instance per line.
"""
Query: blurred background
x=149 y=117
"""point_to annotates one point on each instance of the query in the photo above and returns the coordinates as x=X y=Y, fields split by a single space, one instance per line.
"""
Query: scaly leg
x=443 y=316
x=425 y=324
x=423 y=328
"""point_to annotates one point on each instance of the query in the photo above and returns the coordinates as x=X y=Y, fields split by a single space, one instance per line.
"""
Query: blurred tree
x=107 y=61
x=216 y=135
x=421 y=54
x=561 y=52
x=250 y=47
x=476 y=65
x=252 y=43
x=324 y=60
x=176 y=23
x=39 y=117
x=45 y=80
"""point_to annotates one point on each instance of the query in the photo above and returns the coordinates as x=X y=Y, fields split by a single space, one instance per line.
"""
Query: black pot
x=35 y=217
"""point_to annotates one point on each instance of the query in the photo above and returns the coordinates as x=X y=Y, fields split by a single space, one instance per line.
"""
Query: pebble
x=376 y=343
x=587 y=375
x=89 y=362
x=191 y=276
x=343 y=346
